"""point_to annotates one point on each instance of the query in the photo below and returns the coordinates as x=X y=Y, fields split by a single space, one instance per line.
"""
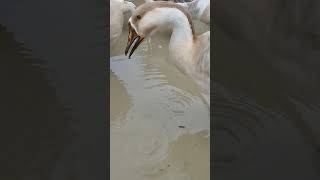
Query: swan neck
x=182 y=33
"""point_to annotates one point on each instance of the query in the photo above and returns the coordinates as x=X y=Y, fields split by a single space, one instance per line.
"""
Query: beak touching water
x=133 y=39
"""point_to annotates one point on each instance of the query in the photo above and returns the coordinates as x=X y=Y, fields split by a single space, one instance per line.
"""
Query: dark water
x=265 y=95
x=53 y=114
x=29 y=128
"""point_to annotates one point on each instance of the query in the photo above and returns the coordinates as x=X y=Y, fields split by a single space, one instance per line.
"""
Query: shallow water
x=160 y=126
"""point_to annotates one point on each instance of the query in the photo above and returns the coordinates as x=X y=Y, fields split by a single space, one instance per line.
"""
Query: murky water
x=160 y=126
x=258 y=128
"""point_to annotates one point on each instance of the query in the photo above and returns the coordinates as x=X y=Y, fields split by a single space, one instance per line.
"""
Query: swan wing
x=203 y=64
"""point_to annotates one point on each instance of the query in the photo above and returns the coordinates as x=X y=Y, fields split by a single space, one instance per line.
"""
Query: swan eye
x=138 y=17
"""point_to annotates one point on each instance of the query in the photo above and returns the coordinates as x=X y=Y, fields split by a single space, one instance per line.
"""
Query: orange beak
x=133 y=39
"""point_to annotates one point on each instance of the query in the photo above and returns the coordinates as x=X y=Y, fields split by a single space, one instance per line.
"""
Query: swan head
x=148 y=19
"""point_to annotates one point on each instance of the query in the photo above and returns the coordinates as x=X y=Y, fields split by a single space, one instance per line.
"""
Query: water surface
x=160 y=126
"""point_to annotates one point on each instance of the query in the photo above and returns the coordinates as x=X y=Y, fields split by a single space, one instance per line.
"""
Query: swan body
x=117 y=9
x=199 y=9
x=176 y=1
x=189 y=53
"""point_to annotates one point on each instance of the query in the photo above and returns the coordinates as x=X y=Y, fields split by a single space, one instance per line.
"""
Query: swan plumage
x=198 y=9
x=117 y=10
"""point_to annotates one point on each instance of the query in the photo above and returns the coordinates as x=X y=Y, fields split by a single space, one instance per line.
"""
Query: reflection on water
x=160 y=126
x=262 y=123
x=118 y=94
x=31 y=113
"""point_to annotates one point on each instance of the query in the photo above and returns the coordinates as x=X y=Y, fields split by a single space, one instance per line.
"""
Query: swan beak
x=133 y=39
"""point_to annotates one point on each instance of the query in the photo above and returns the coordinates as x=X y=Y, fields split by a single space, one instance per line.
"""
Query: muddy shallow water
x=160 y=126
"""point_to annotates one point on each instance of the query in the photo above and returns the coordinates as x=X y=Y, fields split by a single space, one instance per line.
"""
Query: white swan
x=117 y=9
x=190 y=53
x=199 y=9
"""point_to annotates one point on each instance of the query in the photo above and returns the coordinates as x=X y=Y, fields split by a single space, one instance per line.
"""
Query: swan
x=189 y=52
x=199 y=9
x=117 y=9
x=176 y=1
